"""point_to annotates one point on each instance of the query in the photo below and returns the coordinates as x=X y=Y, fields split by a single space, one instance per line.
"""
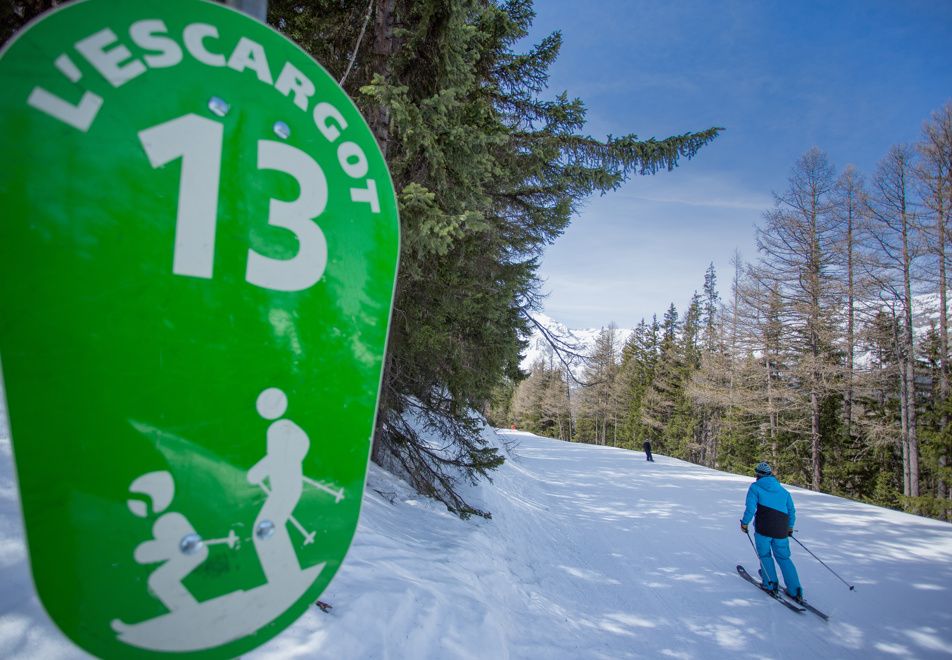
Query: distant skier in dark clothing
x=648 y=450
x=771 y=508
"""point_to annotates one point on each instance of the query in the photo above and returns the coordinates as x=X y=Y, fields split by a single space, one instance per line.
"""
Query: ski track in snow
x=592 y=552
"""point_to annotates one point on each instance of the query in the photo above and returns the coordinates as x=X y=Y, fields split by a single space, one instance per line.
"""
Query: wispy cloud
x=850 y=77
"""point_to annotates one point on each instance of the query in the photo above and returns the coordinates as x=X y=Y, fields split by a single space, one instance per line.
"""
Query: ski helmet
x=763 y=470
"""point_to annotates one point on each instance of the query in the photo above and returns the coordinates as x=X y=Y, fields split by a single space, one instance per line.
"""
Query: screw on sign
x=198 y=250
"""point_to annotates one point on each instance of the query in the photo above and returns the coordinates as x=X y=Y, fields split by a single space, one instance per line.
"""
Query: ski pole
x=308 y=536
x=763 y=569
x=852 y=588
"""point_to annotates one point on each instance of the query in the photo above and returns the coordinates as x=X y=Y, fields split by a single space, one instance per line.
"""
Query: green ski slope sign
x=198 y=249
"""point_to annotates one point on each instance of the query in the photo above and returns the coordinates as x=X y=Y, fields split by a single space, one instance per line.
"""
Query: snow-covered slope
x=592 y=552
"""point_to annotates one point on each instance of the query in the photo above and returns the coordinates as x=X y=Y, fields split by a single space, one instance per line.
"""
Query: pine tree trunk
x=816 y=382
x=903 y=407
x=383 y=49
x=815 y=436
x=733 y=353
x=911 y=435
x=850 y=331
x=904 y=429
x=771 y=405
x=380 y=126
x=568 y=396
x=943 y=350
x=937 y=175
x=910 y=366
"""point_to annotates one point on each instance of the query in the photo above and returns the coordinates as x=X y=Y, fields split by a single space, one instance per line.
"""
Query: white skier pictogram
x=191 y=625
x=281 y=466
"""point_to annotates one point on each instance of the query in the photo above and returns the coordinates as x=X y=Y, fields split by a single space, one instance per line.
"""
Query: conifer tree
x=711 y=389
x=596 y=410
x=488 y=173
x=686 y=429
x=848 y=202
x=721 y=375
x=896 y=236
x=710 y=302
x=527 y=399
x=710 y=336
x=880 y=403
x=639 y=358
x=935 y=173
x=666 y=389
x=498 y=410
x=764 y=391
x=797 y=247
x=540 y=404
x=556 y=403
x=846 y=448
x=731 y=380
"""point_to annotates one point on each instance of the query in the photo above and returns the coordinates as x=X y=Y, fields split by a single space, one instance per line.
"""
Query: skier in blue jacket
x=770 y=506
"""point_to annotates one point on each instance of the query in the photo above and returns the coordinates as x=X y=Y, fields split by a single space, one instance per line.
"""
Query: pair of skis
x=797 y=605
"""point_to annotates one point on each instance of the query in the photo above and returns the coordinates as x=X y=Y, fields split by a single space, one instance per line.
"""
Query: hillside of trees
x=828 y=356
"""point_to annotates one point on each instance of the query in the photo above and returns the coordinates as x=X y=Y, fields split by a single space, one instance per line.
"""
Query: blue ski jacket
x=770 y=506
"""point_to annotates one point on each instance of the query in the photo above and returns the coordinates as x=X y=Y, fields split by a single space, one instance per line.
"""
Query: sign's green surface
x=198 y=245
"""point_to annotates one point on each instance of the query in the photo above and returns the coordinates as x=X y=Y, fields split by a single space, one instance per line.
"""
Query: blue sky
x=851 y=77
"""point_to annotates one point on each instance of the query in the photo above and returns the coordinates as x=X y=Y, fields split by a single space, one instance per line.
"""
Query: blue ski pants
x=781 y=552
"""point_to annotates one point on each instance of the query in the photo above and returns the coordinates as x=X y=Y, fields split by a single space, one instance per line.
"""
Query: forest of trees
x=489 y=169
x=828 y=356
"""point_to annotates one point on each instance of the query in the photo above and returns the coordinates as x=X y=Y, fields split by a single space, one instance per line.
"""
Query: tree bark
x=910 y=358
x=943 y=350
x=936 y=173
x=895 y=230
x=383 y=50
x=380 y=126
x=910 y=370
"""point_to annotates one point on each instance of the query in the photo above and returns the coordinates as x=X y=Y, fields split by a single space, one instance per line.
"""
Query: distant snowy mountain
x=579 y=341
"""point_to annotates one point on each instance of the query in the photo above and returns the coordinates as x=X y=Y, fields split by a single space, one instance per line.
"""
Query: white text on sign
x=198 y=142
x=114 y=61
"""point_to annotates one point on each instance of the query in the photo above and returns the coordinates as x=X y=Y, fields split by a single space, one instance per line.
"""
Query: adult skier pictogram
x=287 y=446
x=179 y=549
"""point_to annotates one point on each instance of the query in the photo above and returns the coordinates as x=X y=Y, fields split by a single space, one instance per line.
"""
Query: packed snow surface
x=592 y=552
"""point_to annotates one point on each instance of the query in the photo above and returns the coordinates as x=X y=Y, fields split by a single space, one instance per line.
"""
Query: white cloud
x=632 y=253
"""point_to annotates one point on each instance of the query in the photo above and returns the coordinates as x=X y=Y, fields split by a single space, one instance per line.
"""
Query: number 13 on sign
x=198 y=142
